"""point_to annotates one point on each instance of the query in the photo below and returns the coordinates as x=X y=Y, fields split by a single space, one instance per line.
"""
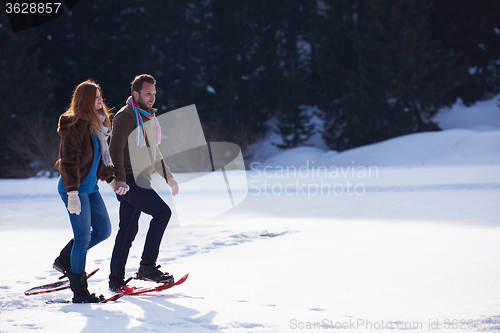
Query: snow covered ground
x=402 y=234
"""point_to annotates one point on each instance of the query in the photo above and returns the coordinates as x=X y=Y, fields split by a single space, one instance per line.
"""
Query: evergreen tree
x=226 y=61
x=294 y=52
x=334 y=60
x=239 y=69
x=67 y=50
x=127 y=42
x=26 y=94
x=403 y=74
x=375 y=68
x=264 y=75
x=471 y=30
x=240 y=63
x=181 y=60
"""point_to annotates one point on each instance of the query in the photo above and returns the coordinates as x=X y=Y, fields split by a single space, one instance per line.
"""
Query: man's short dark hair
x=136 y=84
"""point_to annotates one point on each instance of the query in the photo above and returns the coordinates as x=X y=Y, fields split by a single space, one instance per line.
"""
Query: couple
x=84 y=157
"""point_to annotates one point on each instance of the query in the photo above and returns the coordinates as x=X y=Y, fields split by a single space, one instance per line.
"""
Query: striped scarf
x=138 y=120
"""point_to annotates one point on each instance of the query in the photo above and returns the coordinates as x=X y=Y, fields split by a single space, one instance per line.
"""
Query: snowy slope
x=406 y=237
x=471 y=135
x=481 y=116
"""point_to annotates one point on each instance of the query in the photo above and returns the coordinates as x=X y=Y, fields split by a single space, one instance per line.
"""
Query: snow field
x=413 y=245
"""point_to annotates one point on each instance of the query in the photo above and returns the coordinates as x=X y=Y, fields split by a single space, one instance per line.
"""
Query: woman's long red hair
x=83 y=106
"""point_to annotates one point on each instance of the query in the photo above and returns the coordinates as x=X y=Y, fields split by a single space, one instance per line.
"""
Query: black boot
x=63 y=262
x=152 y=273
x=79 y=286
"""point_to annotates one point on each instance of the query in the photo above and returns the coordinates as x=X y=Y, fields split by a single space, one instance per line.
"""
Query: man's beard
x=144 y=106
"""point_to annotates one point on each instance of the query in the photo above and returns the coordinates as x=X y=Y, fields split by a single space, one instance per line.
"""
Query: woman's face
x=98 y=100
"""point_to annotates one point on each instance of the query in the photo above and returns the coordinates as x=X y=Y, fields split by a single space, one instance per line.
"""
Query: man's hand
x=120 y=188
x=174 y=186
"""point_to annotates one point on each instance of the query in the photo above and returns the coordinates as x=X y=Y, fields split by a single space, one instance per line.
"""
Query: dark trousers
x=138 y=199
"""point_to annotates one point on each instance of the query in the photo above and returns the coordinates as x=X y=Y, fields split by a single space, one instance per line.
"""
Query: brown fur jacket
x=76 y=154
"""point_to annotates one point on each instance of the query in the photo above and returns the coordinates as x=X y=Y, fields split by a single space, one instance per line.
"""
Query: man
x=138 y=114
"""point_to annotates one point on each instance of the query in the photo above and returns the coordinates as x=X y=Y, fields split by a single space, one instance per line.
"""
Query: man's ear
x=135 y=95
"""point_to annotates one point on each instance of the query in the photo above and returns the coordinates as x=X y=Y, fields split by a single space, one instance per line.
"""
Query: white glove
x=74 y=205
x=122 y=189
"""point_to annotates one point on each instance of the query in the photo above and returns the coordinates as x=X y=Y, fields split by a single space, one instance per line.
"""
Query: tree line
x=370 y=69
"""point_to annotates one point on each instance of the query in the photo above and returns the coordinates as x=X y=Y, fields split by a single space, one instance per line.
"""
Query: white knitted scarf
x=103 y=135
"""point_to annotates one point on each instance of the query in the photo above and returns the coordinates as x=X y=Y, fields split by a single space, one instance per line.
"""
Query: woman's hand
x=74 y=205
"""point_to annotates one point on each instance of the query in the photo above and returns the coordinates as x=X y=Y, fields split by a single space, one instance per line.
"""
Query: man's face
x=146 y=98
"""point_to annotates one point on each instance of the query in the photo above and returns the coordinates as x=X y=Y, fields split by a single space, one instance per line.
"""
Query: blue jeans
x=90 y=228
x=138 y=199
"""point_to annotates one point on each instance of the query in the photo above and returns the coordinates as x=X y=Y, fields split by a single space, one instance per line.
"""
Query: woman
x=83 y=159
